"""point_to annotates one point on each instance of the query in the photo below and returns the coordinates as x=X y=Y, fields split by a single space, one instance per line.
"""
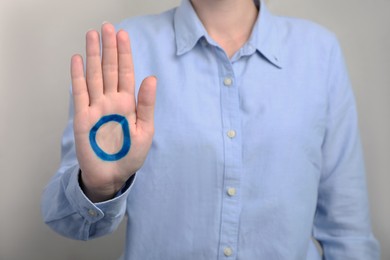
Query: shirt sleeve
x=342 y=222
x=67 y=210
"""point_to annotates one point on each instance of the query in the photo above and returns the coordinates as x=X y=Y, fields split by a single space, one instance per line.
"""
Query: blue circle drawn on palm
x=126 y=138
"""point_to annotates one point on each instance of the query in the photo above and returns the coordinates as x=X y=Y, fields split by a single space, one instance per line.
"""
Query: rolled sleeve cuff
x=93 y=212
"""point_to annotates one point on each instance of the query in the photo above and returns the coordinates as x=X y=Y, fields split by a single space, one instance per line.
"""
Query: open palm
x=107 y=90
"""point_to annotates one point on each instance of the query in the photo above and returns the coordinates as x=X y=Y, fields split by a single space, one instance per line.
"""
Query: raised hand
x=113 y=134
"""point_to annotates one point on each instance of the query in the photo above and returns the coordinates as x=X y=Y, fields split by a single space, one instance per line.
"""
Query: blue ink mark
x=126 y=138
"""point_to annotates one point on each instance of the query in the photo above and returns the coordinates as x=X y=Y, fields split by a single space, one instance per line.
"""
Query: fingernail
x=104 y=22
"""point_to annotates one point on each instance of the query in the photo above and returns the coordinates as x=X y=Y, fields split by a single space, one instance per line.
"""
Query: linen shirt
x=253 y=156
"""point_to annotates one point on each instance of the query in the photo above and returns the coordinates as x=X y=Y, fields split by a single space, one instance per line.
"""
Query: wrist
x=96 y=194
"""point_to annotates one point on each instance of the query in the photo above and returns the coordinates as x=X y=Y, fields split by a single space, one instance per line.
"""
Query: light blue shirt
x=252 y=156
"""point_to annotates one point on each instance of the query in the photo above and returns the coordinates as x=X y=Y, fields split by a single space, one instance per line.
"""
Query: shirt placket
x=231 y=131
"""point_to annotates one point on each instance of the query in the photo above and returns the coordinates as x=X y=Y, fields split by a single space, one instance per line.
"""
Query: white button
x=231 y=133
x=228 y=251
x=228 y=81
x=231 y=192
x=92 y=213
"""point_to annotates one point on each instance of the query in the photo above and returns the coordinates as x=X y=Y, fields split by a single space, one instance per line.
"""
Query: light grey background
x=39 y=36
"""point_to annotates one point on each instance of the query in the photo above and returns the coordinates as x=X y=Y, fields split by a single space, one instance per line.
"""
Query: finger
x=94 y=67
x=146 y=104
x=110 y=59
x=126 y=67
x=79 y=85
x=126 y=70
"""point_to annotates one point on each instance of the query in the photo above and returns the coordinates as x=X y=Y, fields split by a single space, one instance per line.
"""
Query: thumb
x=146 y=103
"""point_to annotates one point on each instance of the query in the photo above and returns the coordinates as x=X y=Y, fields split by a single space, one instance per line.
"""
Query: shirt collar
x=265 y=37
x=188 y=27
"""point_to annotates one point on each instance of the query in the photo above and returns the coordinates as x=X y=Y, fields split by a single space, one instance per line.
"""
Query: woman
x=247 y=149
